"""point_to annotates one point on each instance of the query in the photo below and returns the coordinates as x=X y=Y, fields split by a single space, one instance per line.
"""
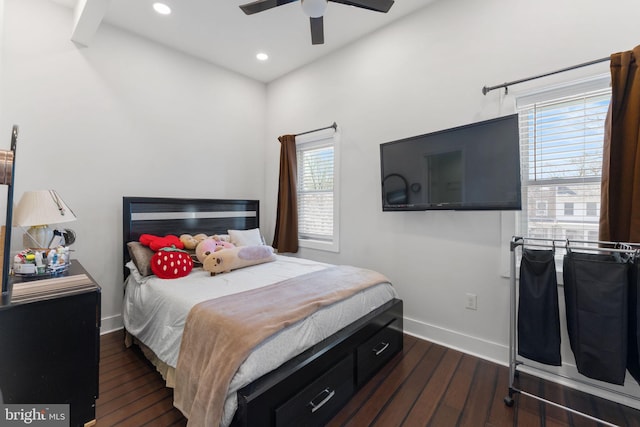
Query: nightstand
x=50 y=343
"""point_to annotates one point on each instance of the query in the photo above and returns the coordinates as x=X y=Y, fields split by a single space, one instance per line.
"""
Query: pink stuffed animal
x=209 y=246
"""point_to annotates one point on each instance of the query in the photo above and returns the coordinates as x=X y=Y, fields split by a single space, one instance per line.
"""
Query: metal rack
x=514 y=362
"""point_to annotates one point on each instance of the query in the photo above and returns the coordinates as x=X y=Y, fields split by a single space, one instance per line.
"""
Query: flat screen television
x=471 y=167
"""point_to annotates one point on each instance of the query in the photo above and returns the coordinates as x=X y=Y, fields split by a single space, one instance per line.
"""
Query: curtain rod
x=334 y=126
x=488 y=89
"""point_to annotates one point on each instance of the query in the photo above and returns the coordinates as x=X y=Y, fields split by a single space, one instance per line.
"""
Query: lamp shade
x=42 y=207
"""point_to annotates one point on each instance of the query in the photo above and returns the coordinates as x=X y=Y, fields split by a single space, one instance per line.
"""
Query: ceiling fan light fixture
x=314 y=8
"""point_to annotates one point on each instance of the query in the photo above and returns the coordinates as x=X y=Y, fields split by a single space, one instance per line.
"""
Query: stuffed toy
x=171 y=263
x=222 y=238
x=209 y=246
x=190 y=242
x=225 y=260
x=222 y=243
x=157 y=242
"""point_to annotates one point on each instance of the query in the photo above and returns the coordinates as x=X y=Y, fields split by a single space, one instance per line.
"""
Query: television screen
x=471 y=167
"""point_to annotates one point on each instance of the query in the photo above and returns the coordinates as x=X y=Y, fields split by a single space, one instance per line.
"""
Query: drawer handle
x=325 y=396
x=380 y=348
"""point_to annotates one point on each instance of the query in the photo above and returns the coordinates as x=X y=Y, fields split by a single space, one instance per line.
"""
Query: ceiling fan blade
x=375 y=5
x=317 y=30
x=262 y=5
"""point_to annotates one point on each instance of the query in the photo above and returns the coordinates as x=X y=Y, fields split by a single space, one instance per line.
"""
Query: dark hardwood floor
x=425 y=385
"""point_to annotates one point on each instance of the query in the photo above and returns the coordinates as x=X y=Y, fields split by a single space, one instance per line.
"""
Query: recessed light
x=162 y=8
x=262 y=56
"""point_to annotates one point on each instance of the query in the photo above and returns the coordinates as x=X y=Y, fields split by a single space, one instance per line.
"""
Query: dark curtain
x=286 y=233
x=620 y=207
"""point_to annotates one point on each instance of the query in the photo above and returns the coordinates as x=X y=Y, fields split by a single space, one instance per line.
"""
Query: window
x=574 y=234
x=568 y=209
x=561 y=138
x=317 y=192
x=541 y=208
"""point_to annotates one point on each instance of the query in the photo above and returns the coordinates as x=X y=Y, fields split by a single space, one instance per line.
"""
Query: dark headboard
x=162 y=216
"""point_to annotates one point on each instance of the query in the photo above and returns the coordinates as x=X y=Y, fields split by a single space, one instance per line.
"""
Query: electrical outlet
x=472 y=302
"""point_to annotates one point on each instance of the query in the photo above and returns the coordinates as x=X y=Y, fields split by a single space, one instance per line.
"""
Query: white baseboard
x=567 y=374
x=494 y=352
x=110 y=324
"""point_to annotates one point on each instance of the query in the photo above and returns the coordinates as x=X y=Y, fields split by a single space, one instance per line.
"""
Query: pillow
x=133 y=271
x=141 y=257
x=246 y=237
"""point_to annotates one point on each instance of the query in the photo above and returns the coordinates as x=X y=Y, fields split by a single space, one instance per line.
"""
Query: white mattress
x=155 y=311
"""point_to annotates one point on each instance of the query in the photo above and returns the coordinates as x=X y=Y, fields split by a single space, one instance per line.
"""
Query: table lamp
x=38 y=209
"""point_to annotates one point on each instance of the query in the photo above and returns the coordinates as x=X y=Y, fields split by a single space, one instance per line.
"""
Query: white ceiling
x=219 y=32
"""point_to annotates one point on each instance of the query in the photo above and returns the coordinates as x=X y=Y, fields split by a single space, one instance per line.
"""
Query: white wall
x=123 y=117
x=422 y=74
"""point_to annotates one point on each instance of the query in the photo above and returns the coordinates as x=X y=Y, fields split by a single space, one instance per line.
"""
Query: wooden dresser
x=50 y=343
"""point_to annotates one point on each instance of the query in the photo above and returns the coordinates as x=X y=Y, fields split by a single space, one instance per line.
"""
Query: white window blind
x=317 y=194
x=561 y=153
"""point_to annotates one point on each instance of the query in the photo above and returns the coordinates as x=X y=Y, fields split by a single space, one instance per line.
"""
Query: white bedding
x=155 y=311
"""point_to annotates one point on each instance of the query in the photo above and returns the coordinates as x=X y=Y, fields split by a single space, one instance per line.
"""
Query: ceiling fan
x=315 y=10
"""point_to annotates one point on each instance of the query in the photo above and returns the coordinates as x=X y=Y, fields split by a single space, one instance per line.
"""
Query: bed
x=300 y=375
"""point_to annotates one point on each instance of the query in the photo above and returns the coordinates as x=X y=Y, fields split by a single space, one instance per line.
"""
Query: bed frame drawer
x=321 y=399
x=265 y=399
x=377 y=350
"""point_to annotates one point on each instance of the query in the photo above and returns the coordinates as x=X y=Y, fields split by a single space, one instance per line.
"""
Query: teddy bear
x=210 y=245
x=225 y=260
x=191 y=242
x=223 y=242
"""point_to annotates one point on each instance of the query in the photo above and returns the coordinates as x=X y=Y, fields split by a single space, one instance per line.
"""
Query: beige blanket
x=219 y=334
